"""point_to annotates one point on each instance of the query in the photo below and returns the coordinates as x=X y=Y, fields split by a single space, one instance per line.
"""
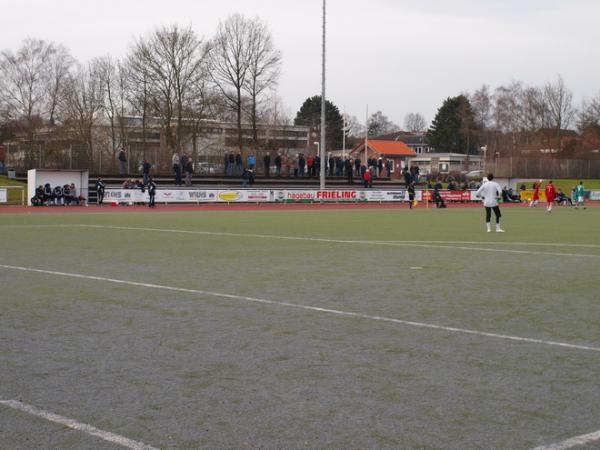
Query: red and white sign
x=450 y=196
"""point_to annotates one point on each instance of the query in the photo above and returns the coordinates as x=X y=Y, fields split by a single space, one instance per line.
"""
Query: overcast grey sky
x=397 y=56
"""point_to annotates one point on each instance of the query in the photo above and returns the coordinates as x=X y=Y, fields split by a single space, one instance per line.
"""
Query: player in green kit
x=579 y=195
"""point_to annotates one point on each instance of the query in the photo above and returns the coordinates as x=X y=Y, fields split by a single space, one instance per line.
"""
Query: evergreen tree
x=453 y=130
x=309 y=115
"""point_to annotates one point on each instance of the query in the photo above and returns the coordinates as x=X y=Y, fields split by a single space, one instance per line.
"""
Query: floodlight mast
x=322 y=146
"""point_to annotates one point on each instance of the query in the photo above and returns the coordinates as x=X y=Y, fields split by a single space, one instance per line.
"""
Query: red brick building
x=397 y=151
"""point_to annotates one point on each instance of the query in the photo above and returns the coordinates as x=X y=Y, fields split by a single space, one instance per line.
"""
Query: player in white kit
x=489 y=192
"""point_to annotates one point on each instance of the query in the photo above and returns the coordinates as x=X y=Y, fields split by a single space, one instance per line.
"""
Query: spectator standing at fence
x=357 y=165
x=251 y=161
x=267 y=164
x=389 y=164
x=550 y=192
x=226 y=164
x=331 y=162
x=152 y=193
x=278 y=165
x=183 y=160
x=407 y=176
x=122 y=158
x=146 y=166
x=231 y=165
x=310 y=160
x=349 y=171
x=100 y=186
x=189 y=171
x=301 y=164
x=489 y=192
x=176 y=163
x=239 y=166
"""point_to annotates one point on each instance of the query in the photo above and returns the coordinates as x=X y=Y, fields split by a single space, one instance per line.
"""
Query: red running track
x=237 y=207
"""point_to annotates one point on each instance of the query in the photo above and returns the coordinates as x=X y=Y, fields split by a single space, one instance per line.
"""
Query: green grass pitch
x=358 y=328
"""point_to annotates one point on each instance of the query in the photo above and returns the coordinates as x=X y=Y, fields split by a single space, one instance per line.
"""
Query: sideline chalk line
x=344 y=241
x=78 y=426
x=308 y=308
x=573 y=442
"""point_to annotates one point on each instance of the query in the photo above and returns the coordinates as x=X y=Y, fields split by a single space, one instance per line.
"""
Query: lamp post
x=323 y=129
x=484 y=151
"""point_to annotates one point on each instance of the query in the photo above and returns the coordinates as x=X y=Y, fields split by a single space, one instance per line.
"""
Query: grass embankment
x=566 y=184
x=14 y=195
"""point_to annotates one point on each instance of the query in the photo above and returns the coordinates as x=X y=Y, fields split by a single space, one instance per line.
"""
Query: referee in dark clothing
x=100 y=186
x=151 y=192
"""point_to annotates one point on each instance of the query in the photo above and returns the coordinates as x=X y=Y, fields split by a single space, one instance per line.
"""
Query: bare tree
x=380 y=124
x=415 y=123
x=559 y=100
x=24 y=79
x=113 y=76
x=138 y=96
x=507 y=108
x=589 y=115
x=354 y=128
x=481 y=103
x=59 y=66
x=83 y=103
x=172 y=60
x=264 y=64
x=230 y=63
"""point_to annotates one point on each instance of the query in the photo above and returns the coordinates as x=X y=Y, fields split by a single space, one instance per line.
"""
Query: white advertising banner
x=595 y=195
x=188 y=196
x=304 y=195
x=3 y=196
x=255 y=195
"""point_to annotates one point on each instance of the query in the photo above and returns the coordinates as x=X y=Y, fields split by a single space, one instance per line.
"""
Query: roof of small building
x=388 y=148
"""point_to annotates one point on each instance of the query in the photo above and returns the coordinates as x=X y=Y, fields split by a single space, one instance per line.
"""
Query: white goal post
x=12 y=195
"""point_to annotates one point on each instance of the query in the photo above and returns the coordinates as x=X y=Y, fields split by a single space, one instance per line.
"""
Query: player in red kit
x=536 y=194
x=550 y=195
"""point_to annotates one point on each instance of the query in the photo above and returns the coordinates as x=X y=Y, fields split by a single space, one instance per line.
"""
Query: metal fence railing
x=515 y=167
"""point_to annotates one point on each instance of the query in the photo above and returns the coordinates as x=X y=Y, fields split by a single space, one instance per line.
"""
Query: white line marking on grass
x=78 y=426
x=573 y=442
x=341 y=241
x=527 y=244
x=403 y=242
x=308 y=308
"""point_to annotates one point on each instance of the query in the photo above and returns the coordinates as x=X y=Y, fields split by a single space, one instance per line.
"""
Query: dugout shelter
x=57 y=177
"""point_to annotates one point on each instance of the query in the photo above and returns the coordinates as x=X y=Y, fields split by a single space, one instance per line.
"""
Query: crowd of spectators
x=47 y=195
x=301 y=165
